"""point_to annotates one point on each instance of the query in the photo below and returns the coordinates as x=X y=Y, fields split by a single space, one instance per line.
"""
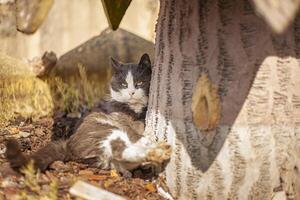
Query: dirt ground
x=56 y=182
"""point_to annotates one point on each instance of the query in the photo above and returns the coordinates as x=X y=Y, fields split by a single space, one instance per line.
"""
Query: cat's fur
x=112 y=136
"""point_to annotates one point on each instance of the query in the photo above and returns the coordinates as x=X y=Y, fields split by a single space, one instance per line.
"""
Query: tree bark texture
x=278 y=14
x=254 y=151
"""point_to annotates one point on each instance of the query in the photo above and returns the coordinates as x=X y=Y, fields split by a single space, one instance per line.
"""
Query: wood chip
x=85 y=172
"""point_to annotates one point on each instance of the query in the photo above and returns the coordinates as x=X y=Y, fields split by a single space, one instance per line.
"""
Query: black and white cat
x=129 y=88
x=110 y=137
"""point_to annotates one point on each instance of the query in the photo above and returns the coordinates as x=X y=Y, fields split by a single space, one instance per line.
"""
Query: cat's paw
x=159 y=153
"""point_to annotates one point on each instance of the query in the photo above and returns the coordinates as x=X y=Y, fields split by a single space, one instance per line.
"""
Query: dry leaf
x=107 y=183
x=151 y=187
x=85 y=172
x=14 y=130
x=97 y=177
x=114 y=173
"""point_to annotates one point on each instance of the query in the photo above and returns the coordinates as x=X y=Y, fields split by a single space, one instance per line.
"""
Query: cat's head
x=130 y=83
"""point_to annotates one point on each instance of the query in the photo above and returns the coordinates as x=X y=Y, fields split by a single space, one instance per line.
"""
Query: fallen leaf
x=114 y=173
x=58 y=166
x=14 y=130
x=27 y=128
x=112 y=182
x=50 y=175
x=24 y=134
x=10 y=193
x=107 y=183
x=138 y=181
x=85 y=172
x=96 y=177
x=74 y=115
x=151 y=187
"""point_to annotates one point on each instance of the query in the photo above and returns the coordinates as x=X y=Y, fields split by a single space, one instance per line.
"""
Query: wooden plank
x=90 y=192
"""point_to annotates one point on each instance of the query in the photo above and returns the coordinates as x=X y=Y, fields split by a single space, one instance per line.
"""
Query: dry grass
x=23 y=94
x=11 y=66
x=20 y=92
x=76 y=93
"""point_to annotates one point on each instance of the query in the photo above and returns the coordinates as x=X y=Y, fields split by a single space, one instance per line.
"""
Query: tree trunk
x=254 y=150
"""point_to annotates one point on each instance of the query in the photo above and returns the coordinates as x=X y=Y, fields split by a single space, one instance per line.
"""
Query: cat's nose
x=131 y=93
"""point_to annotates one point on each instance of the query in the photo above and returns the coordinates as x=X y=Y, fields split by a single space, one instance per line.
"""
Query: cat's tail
x=41 y=159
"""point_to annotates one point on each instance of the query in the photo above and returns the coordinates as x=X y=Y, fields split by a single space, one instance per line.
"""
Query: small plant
x=76 y=92
x=31 y=177
x=87 y=89
x=65 y=96
x=25 y=96
x=32 y=189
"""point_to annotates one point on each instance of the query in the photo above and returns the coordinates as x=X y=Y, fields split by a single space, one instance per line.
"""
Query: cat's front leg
x=159 y=153
x=117 y=165
x=145 y=151
x=130 y=156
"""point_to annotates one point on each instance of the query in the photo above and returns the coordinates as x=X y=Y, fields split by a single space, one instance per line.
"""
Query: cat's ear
x=115 y=64
x=145 y=61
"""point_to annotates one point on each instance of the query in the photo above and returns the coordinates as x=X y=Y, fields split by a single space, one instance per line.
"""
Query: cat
x=110 y=137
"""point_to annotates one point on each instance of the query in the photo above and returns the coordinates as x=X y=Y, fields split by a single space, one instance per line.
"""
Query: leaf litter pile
x=56 y=182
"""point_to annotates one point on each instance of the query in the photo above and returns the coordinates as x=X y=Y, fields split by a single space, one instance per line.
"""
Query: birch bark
x=254 y=152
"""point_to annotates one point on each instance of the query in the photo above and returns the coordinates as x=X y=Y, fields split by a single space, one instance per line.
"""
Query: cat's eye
x=139 y=83
x=124 y=84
